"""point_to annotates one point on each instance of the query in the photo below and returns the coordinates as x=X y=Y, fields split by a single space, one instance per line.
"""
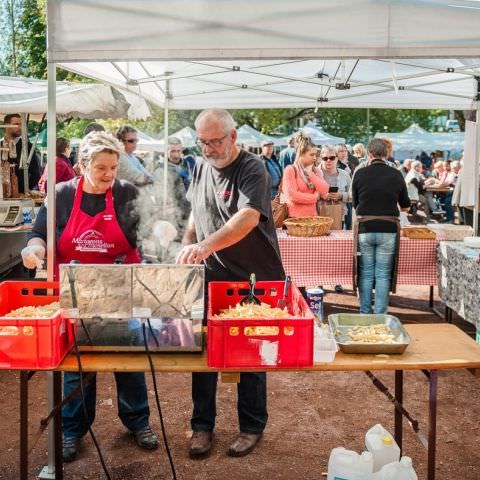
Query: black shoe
x=146 y=438
x=70 y=446
x=338 y=288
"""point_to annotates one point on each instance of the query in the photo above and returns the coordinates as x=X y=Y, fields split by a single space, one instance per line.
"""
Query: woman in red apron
x=93 y=226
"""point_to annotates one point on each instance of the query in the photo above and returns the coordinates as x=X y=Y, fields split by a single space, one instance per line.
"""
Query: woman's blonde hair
x=303 y=143
x=360 y=149
x=95 y=143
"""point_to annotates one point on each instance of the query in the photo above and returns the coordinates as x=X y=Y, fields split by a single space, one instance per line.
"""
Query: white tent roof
x=249 y=136
x=187 y=135
x=391 y=53
x=24 y=95
x=319 y=137
x=415 y=138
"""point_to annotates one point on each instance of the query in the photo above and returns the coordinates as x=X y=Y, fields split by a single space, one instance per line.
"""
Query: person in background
x=287 y=155
x=231 y=230
x=342 y=156
x=303 y=182
x=377 y=190
x=360 y=152
x=273 y=167
x=63 y=168
x=11 y=152
x=129 y=166
x=415 y=181
x=336 y=178
x=93 y=127
x=183 y=164
x=95 y=202
x=389 y=144
x=406 y=166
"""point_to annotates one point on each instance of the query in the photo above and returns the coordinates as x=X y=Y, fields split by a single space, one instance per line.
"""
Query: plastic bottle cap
x=387 y=440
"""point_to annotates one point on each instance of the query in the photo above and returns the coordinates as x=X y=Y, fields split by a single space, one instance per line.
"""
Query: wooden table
x=434 y=347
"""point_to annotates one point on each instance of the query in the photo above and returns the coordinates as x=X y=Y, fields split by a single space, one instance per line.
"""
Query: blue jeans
x=132 y=403
x=252 y=401
x=377 y=252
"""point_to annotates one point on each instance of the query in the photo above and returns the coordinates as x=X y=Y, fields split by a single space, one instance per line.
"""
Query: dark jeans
x=448 y=206
x=252 y=401
x=132 y=403
x=348 y=217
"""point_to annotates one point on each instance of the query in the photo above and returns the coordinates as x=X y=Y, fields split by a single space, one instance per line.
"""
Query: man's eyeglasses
x=215 y=143
x=131 y=140
x=331 y=158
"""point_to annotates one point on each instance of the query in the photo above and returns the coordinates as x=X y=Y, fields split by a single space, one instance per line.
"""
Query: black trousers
x=252 y=401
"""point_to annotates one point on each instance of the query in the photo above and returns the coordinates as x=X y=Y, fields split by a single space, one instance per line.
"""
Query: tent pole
x=165 y=146
x=476 y=165
x=48 y=472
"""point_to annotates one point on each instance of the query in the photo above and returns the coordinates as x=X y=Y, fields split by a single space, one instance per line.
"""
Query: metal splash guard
x=110 y=302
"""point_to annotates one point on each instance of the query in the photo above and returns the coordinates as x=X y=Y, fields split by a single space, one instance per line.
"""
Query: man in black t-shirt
x=230 y=229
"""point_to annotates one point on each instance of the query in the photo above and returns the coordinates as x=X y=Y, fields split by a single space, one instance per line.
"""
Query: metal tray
x=340 y=323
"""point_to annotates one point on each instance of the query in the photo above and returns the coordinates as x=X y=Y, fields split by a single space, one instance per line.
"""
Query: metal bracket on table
x=398 y=407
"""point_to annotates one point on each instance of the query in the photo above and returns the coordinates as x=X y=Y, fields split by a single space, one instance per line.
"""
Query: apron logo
x=91 y=241
x=108 y=217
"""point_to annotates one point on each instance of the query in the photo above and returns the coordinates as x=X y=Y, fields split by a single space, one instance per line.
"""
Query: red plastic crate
x=241 y=344
x=32 y=344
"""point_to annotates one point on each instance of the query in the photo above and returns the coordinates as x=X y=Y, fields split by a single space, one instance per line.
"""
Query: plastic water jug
x=382 y=446
x=402 y=470
x=349 y=465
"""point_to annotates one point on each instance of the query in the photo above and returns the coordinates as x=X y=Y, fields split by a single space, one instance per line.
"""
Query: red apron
x=93 y=239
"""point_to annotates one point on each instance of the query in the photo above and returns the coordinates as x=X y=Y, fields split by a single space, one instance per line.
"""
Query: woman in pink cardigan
x=303 y=183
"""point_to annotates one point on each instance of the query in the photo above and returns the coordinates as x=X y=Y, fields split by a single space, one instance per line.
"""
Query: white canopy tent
x=246 y=55
x=251 y=137
x=81 y=100
x=271 y=54
x=320 y=137
x=414 y=139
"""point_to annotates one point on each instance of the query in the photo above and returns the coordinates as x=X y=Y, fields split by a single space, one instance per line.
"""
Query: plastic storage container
x=324 y=345
x=29 y=343
x=349 y=465
x=260 y=342
x=402 y=470
x=382 y=446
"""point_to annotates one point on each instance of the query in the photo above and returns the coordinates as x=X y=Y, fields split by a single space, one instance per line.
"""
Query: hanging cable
x=157 y=399
x=84 y=405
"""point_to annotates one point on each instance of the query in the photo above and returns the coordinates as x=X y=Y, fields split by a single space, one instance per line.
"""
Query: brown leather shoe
x=244 y=444
x=200 y=444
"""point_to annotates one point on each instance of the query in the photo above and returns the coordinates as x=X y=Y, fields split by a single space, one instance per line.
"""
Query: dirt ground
x=310 y=413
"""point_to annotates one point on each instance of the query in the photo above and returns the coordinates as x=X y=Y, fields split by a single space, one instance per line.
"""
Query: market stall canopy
x=319 y=137
x=415 y=138
x=187 y=135
x=81 y=100
x=391 y=54
x=251 y=137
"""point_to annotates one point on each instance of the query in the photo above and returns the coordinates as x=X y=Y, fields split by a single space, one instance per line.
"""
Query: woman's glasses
x=331 y=158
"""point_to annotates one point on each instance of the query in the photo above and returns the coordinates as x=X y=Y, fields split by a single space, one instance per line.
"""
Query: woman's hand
x=33 y=256
x=335 y=196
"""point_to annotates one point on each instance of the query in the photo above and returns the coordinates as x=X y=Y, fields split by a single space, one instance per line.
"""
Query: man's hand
x=193 y=254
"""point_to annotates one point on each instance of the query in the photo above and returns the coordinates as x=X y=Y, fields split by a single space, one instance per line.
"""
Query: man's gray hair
x=95 y=143
x=174 y=141
x=222 y=116
x=377 y=148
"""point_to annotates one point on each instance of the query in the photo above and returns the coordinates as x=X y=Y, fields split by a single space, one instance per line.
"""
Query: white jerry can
x=349 y=465
x=382 y=446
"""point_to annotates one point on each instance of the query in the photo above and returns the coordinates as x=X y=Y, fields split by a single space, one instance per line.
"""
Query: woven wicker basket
x=308 y=226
